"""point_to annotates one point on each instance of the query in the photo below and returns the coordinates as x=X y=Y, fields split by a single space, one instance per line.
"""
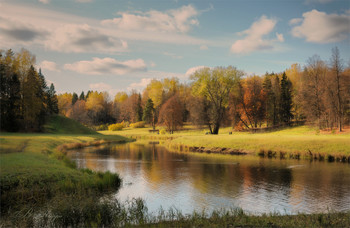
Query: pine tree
x=148 y=113
x=32 y=103
x=138 y=109
x=82 y=96
x=74 y=98
x=286 y=99
x=52 y=101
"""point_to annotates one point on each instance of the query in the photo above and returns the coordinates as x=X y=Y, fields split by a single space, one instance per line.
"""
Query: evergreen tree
x=286 y=99
x=74 y=98
x=32 y=102
x=148 y=113
x=139 y=109
x=52 y=101
x=82 y=96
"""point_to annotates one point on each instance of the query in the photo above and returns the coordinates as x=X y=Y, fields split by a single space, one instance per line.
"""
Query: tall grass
x=77 y=211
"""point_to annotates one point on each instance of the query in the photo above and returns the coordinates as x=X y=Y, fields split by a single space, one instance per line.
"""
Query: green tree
x=215 y=85
x=74 y=98
x=52 y=100
x=139 y=109
x=82 y=96
x=32 y=103
x=286 y=99
x=148 y=113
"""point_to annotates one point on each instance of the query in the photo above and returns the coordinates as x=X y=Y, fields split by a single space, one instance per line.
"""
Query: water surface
x=193 y=181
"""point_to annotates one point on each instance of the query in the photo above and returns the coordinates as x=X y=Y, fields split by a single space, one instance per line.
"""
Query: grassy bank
x=86 y=212
x=34 y=168
x=296 y=142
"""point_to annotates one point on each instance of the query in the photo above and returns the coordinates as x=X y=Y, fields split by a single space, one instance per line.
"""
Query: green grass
x=33 y=167
x=86 y=212
x=57 y=124
x=295 y=140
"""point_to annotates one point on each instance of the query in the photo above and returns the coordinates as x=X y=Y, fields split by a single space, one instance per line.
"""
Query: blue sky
x=111 y=45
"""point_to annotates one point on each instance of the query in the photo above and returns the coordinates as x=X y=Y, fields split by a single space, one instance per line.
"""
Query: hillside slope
x=58 y=124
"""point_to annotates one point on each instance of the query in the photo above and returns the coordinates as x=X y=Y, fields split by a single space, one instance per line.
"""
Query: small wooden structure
x=154 y=131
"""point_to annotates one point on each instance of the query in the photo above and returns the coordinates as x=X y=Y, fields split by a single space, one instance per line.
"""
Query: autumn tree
x=294 y=74
x=313 y=89
x=64 y=102
x=170 y=114
x=251 y=102
x=215 y=85
x=336 y=88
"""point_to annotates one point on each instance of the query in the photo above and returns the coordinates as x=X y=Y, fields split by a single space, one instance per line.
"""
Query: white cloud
x=280 y=37
x=22 y=26
x=319 y=27
x=176 y=20
x=45 y=1
x=48 y=65
x=203 y=47
x=254 y=40
x=107 y=66
x=139 y=86
x=192 y=70
x=84 y=38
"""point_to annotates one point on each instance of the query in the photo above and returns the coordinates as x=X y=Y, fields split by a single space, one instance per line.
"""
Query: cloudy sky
x=116 y=45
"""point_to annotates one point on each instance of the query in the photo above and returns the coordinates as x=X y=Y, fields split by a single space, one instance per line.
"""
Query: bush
x=162 y=131
x=125 y=123
x=102 y=127
x=115 y=127
x=140 y=124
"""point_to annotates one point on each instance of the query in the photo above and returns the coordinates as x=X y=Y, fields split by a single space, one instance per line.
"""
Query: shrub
x=102 y=127
x=140 y=124
x=125 y=123
x=115 y=127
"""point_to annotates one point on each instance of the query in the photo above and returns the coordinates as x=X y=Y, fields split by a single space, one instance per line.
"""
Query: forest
x=317 y=93
x=26 y=99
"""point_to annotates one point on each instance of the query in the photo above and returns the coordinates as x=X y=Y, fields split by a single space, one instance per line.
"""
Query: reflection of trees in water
x=320 y=184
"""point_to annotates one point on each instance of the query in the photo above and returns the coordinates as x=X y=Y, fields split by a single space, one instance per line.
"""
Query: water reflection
x=199 y=181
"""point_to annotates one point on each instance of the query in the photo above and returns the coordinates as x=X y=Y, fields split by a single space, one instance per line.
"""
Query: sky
x=115 y=45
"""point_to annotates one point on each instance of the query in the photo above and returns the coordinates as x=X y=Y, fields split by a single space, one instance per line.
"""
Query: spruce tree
x=82 y=96
x=138 y=109
x=74 y=98
x=148 y=113
x=286 y=99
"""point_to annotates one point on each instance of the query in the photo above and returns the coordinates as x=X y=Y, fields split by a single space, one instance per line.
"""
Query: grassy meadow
x=34 y=168
x=301 y=141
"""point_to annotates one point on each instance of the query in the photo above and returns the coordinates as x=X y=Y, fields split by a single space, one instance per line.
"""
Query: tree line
x=25 y=98
x=318 y=94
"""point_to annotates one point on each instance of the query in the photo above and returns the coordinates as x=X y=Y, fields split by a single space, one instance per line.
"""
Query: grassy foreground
x=34 y=168
x=296 y=142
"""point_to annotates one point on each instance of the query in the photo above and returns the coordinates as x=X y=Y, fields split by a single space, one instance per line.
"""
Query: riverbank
x=300 y=142
x=34 y=168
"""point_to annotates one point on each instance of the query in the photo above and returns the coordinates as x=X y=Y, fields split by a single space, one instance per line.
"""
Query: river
x=194 y=181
